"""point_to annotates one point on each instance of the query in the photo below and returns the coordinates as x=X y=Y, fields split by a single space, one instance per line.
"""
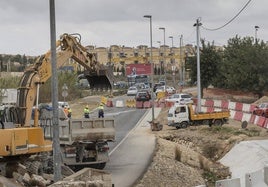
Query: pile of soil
x=224 y=94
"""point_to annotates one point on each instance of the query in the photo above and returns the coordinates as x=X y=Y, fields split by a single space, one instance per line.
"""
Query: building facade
x=164 y=58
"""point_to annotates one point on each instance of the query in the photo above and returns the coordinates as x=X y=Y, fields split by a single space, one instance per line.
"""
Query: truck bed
x=211 y=115
x=88 y=130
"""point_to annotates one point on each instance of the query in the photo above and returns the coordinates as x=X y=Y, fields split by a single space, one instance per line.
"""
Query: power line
x=229 y=20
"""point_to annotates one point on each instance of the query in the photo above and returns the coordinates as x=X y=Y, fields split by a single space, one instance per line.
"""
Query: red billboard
x=138 y=69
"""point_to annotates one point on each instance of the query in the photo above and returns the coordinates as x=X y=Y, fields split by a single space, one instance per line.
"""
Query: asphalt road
x=131 y=156
x=132 y=151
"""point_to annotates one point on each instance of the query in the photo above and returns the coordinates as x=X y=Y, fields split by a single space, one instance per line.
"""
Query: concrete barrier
x=266 y=174
x=104 y=100
x=109 y=103
x=255 y=179
x=131 y=103
x=119 y=103
x=228 y=183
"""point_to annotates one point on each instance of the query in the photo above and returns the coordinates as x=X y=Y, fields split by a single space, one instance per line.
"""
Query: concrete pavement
x=133 y=154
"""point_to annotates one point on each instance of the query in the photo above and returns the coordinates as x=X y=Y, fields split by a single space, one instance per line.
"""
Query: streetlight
x=164 y=29
x=172 y=62
x=181 y=65
x=152 y=65
x=171 y=50
x=197 y=25
x=171 y=40
x=256 y=29
x=160 y=59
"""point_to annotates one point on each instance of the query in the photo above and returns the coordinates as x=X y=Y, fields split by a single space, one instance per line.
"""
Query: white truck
x=180 y=116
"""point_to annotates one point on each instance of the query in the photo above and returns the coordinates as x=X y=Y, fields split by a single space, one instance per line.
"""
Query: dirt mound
x=261 y=100
x=225 y=94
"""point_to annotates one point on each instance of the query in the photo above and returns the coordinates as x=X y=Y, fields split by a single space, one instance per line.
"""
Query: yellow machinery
x=18 y=138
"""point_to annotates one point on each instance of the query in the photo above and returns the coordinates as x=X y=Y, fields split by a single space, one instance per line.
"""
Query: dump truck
x=183 y=115
x=83 y=141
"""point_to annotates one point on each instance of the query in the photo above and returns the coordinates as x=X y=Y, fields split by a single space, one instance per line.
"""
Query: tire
x=218 y=122
x=184 y=124
x=206 y=122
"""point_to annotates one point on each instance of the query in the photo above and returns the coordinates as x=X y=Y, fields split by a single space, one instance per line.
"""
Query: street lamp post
x=171 y=50
x=197 y=25
x=152 y=65
x=181 y=66
x=160 y=59
x=172 y=61
x=171 y=41
x=164 y=30
x=256 y=29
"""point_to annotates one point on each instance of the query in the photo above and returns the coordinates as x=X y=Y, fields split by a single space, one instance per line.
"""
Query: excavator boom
x=98 y=75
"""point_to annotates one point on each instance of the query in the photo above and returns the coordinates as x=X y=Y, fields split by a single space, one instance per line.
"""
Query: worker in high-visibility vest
x=86 y=112
x=69 y=112
x=101 y=111
x=65 y=109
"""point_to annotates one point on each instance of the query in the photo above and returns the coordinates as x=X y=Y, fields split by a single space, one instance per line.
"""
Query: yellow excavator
x=20 y=139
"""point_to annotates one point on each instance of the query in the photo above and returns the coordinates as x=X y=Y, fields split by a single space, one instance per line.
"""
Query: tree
x=245 y=65
x=210 y=59
x=24 y=60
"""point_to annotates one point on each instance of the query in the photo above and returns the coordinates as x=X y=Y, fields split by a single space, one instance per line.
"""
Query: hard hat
x=86 y=106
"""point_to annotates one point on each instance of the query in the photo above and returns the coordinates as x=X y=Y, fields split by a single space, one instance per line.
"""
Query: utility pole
x=181 y=72
x=164 y=62
x=256 y=30
x=54 y=85
x=197 y=25
x=152 y=64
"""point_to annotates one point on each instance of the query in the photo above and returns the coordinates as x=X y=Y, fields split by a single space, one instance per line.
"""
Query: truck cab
x=178 y=116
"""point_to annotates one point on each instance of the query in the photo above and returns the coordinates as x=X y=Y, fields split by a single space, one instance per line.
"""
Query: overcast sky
x=25 y=26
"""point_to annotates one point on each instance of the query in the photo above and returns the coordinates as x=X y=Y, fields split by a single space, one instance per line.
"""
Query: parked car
x=63 y=104
x=261 y=110
x=143 y=96
x=160 y=89
x=120 y=84
x=170 y=90
x=181 y=98
x=132 y=91
x=140 y=85
x=162 y=82
x=82 y=84
x=156 y=85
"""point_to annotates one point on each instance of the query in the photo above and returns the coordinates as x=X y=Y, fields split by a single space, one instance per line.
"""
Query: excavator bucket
x=101 y=80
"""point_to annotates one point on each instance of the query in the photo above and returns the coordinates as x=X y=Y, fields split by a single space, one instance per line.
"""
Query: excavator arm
x=67 y=47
